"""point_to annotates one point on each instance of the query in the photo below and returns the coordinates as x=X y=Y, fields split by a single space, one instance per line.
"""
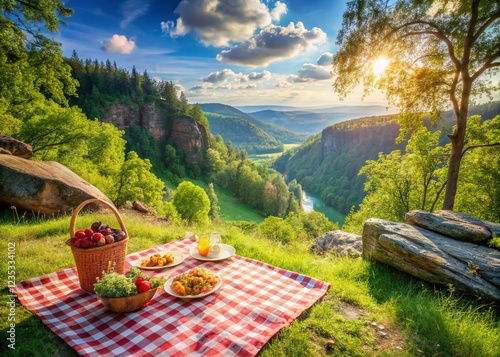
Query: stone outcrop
x=11 y=146
x=189 y=136
x=456 y=225
x=42 y=187
x=186 y=134
x=338 y=242
x=148 y=117
x=426 y=251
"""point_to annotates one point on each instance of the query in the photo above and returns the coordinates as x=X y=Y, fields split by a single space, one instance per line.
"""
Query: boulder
x=42 y=187
x=11 y=146
x=338 y=242
x=434 y=257
x=454 y=224
x=141 y=207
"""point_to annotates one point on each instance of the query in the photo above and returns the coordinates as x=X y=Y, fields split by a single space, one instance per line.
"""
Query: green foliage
x=214 y=212
x=31 y=64
x=192 y=202
x=495 y=242
x=136 y=182
x=277 y=229
x=168 y=210
x=479 y=192
x=115 y=285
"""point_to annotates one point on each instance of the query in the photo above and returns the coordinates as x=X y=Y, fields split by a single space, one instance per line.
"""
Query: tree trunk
x=457 y=146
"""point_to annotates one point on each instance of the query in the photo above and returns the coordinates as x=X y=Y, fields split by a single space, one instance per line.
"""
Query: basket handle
x=97 y=201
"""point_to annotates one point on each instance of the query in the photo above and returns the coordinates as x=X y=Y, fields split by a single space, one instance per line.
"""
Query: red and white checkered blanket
x=255 y=301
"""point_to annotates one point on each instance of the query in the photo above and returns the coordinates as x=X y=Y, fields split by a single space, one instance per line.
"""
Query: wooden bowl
x=128 y=303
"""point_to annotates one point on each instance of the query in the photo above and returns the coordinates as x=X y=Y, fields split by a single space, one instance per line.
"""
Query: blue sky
x=236 y=52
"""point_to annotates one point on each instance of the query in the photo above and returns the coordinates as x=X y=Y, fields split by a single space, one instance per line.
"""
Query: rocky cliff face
x=187 y=135
x=335 y=137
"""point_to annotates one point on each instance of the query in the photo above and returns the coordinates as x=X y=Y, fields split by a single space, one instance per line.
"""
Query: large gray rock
x=338 y=242
x=11 y=146
x=43 y=187
x=433 y=257
x=453 y=224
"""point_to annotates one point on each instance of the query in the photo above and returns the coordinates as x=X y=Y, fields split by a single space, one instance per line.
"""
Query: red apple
x=106 y=231
x=78 y=243
x=80 y=234
x=89 y=232
x=96 y=237
x=84 y=243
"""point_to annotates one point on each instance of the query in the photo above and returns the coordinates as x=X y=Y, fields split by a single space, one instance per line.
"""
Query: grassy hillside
x=370 y=309
x=278 y=133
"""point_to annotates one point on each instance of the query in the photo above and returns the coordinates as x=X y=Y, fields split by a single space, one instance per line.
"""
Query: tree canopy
x=439 y=52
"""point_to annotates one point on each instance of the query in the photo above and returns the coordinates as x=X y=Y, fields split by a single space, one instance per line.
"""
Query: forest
x=340 y=177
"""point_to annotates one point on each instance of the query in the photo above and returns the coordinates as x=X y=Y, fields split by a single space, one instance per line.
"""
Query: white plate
x=178 y=258
x=226 y=252
x=168 y=288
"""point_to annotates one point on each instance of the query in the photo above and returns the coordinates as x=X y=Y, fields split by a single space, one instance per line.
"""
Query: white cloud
x=220 y=22
x=279 y=9
x=230 y=80
x=273 y=43
x=220 y=76
x=254 y=76
x=118 y=44
x=325 y=59
x=132 y=9
x=310 y=72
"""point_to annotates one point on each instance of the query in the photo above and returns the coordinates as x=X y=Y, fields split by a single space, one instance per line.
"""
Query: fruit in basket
x=95 y=226
x=80 y=234
x=102 y=235
x=118 y=235
x=96 y=237
x=109 y=239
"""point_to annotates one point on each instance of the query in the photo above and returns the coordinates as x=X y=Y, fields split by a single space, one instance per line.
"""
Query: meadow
x=370 y=309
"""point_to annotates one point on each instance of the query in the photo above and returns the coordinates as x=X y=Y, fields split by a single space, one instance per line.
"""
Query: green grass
x=418 y=319
x=231 y=208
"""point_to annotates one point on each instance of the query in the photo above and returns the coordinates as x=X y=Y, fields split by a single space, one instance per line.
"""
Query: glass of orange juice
x=203 y=246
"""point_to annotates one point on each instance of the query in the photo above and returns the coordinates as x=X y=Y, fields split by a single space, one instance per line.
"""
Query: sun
x=379 y=66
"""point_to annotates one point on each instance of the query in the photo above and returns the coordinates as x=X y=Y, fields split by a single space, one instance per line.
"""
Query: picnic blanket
x=255 y=301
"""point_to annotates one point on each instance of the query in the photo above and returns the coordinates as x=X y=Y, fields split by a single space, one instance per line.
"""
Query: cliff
x=185 y=133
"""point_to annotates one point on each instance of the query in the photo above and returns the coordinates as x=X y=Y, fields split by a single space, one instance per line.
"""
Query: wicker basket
x=91 y=263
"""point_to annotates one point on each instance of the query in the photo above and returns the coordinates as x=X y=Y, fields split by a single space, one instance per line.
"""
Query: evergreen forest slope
x=247 y=132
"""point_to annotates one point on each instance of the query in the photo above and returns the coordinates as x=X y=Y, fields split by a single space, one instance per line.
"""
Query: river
x=311 y=203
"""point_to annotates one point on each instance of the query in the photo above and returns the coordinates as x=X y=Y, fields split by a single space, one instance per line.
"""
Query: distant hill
x=310 y=121
x=247 y=132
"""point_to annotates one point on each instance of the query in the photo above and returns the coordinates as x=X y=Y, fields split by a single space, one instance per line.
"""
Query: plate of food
x=160 y=260
x=223 y=252
x=193 y=284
